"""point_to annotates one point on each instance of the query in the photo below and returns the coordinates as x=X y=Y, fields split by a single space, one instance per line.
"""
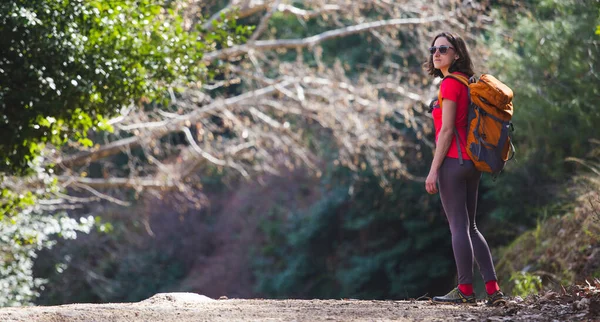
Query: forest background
x=278 y=149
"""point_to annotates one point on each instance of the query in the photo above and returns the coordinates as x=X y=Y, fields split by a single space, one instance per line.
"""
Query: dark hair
x=463 y=64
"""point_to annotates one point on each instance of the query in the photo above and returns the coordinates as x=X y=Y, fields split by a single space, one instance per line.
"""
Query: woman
x=458 y=179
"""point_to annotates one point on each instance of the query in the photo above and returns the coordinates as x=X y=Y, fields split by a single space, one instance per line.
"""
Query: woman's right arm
x=443 y=144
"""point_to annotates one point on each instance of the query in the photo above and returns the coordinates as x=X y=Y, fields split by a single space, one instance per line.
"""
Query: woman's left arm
x=443 y=144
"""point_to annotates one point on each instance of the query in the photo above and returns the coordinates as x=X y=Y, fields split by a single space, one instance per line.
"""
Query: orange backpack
x=489 y=123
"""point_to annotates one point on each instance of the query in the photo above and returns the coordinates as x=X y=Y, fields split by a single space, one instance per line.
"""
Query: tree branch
x=102 y=195
x=100 y=153
x=264 y=22
x=252 y=7
x=173 y=125
x=263 y=45
x=307 y=14
x=209 y=157
x=134 y=183
x=248 y=10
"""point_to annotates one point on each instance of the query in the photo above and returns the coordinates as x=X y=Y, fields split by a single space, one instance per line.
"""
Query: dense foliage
x=66 y=66
x=21 y=239
x=550 y=55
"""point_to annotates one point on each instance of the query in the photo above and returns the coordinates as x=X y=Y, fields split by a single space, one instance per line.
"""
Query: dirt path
x=179 y=307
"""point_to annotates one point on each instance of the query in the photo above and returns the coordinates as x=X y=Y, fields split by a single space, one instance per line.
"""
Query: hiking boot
x=455 y=297
x=496 y=299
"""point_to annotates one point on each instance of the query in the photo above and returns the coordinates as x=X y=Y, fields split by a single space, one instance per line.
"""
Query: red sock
x=466 y=289
x=491 y=287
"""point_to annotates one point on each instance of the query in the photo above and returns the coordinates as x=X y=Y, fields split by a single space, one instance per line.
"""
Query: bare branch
x=264 y=22
x=307 y=14
x=103 y=196
x=403 y=91
x=132 y=183
x=263 y=45
x=209 y=157
x=100 y=153
x=250 y=8
x=165 y=128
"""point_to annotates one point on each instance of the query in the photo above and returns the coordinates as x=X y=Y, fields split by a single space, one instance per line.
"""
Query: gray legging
x=458 y=185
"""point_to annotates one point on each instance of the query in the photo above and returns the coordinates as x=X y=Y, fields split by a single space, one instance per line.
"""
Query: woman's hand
x=431 y=182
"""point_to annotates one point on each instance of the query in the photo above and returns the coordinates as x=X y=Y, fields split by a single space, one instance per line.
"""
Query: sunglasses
x=443 y=49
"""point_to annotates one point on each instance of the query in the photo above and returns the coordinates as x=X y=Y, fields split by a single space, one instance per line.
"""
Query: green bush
x=525 y=283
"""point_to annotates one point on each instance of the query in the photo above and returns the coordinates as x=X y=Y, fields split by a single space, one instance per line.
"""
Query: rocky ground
x=575 y=304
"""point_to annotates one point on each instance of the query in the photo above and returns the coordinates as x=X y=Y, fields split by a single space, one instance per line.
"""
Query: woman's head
x=448 y=51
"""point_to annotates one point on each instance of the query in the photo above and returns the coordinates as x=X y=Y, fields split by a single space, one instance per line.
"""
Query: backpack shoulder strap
x=459 y=78
x=465 y=81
